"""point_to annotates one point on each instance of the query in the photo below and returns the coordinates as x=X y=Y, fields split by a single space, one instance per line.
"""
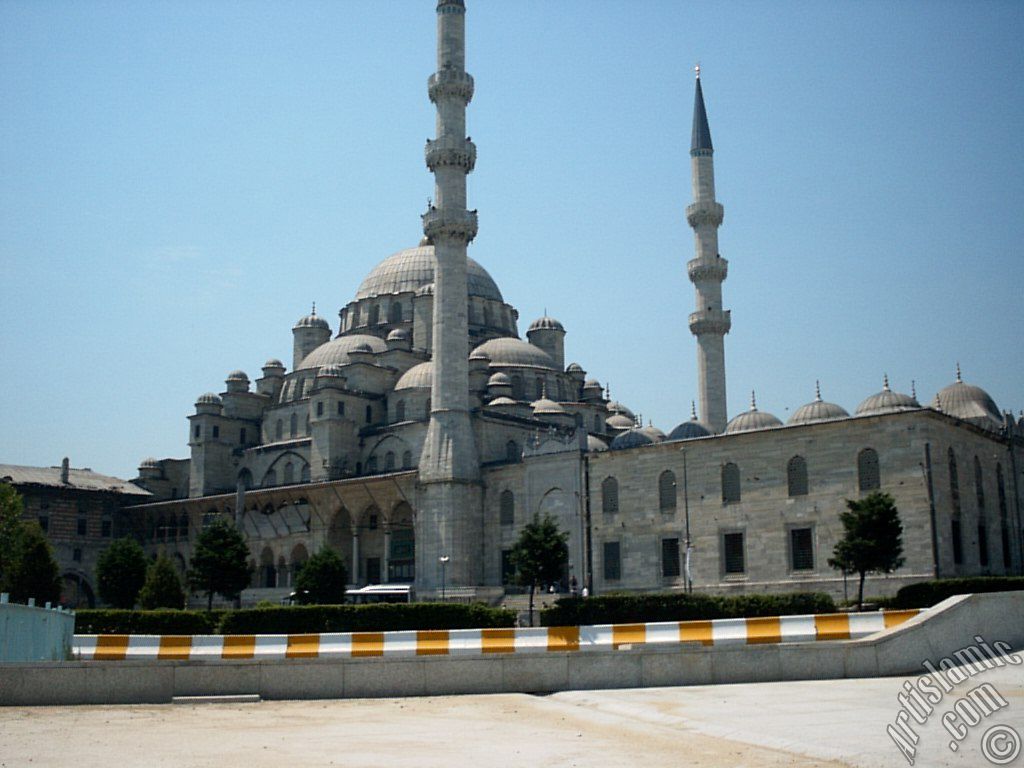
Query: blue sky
x=180 y=180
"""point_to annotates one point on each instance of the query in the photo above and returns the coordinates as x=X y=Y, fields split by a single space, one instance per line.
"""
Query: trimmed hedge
x=925 y=594
x=626 y=609
x=161 y=622
x=378 y=617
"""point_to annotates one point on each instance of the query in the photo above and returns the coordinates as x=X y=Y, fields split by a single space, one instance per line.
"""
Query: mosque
x=418 y=435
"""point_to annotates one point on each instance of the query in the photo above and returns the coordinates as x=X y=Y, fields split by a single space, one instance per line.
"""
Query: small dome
x=413 y=269
x=970 y=403
x=502 y=401
x=312 y=320
x=337 y=350
x=426 y=290
x=273 y=363
x=619 y=421
x=499 y=379
x=654 y=433
x=616 y=407
x=689 y=430
x=149 y=463
x=887 y=401
x=817 y=410
x=364 y=347
x=545 y=407
x=575 y=368
x=209 y=399
x=592 y=384
x=546 y=324
x=331 y=370
x=238 y=376
x=399 y=334
x=596 y=444
x=631 y=438
x=418 y=377
x=751 y=420
x=508 y=351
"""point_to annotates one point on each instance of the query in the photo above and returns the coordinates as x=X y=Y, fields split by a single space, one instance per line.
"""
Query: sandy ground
x=826 y=723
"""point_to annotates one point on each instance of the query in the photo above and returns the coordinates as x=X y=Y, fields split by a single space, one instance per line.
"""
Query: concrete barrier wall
x=933 y=635
x=28 y=633
x=476 y=642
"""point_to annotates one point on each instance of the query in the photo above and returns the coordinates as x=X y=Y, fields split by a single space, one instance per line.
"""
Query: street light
x=443 y=559
x=686 y=509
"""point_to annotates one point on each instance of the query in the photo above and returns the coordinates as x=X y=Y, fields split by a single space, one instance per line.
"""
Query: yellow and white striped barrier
x=475 y=642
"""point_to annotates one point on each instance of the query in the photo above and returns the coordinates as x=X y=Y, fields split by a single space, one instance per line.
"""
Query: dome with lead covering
x=616 y=407
x=418 y=377
x=631 y=438
x=654 y=433
x=312 y=320
x=689 y=430
x=499 y=379
x=337 y=350
x=413 y=268
x=619 y=421
x=546 y=323
x=596 y=444
x=970 y=403
x=546 y=407
x=238 y=376
x=509 y=351
x=752 y=419
x=502 y=401
x=887 y=401
x=273 y=363
x=817 y=410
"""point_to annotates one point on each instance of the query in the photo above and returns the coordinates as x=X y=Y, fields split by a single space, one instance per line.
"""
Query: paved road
x=826 y=723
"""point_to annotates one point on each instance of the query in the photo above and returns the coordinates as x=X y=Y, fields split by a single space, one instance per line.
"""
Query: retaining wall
x=932 y=635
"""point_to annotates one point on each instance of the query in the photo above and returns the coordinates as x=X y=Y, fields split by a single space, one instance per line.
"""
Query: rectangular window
x=241 y=436
x=958 y=544
x=216 y=431
x=341 y=408
x=732 y=553
x=44 y=523
x=83 y=526
x=670 y=558
x=801 y=549
x=982 y=545
x=76 y=555
x=612 y=562
x=508 y=571
x=198 y=431
x=106 y=528
x=320 y=408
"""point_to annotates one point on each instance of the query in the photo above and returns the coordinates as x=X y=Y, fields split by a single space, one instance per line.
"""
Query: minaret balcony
x=710 y=321
x=705 y=212
x=450 y=151
x=442 y=224
x=702 y=270
x=450 y=83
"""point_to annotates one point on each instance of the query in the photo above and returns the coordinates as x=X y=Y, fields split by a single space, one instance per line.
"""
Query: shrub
x=380 y=617
x=625 y=609
x=925 y=594
x=163 y=587
x=321 y=580
x=164 y=622
x=121 y=572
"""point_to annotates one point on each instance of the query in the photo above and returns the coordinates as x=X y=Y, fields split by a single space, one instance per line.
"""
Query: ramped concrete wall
x=28 y=633
x=933 y=635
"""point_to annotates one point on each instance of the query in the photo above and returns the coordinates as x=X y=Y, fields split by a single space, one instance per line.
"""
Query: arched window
x=796 y=475
x=1004 y=527
x=407 y=460
x=293 y=425
x=512 y=452
x=395 y=312
x=400 y=411
x=667 y=491
x=373 y=315
x=538 y=388
x=270 y=478
x=300 y=386
x=279 y=430
x=610 y=496
x=471 y=313
x=389 y=461
x=487 y=314
x=507 y=508
x=289 y=473
x=979 y=486
x=355 y=316
x=954 y=497
x=371 y=465
x=183 y=527
x=245 y=479
x=305 y=473
x=868 y=478
x=517 y=387
x=369 y=414
x=309 y=426
x=597 y=423
x=730 y=483
x=561 y=391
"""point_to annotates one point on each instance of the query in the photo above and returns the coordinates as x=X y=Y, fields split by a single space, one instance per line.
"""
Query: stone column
x=385 y=577
x=354 y=576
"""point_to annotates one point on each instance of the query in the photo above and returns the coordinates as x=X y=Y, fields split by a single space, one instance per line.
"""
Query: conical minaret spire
x=449 y=524
x=707 y=271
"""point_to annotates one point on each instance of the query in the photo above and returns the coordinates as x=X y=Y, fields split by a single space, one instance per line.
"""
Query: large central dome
x=413 y=268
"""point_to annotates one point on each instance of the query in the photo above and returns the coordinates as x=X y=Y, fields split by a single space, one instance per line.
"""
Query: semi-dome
x=413 y=268
x=887 y=401
x=209 y=398
x=631 y=438
x=546 y=407
x=546 y=323
x=418 y=377
x=619 y=421
x=596 y=444
x=970 y=403
x=337 y=350
x=817 y=410
x=509 y=351
x=751 y=420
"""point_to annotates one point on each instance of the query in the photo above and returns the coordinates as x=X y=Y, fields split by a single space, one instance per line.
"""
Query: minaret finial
x=958 y=379
x=314 y=309
x=885 y=381
x=693 y=410
x=697 y=70
x=817 y=391
x=913 y=389
x=753 y=400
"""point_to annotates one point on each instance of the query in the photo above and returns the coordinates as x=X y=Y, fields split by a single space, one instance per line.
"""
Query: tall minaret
x=449 y=521
x=709 y=323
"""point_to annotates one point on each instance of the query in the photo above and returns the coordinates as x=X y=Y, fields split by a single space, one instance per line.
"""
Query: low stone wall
x=931 y=636
x=30 y=633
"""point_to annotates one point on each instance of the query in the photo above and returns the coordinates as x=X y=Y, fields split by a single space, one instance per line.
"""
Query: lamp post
x=443 y=559
x=686 y=511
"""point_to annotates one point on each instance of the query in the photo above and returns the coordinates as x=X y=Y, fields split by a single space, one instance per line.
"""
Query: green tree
x=872 y=540
x=539 y=555
x=219 y=562
x=321 y=580
x=32 y=571
x=10 y=524
x=163 y=587
x=121 y=572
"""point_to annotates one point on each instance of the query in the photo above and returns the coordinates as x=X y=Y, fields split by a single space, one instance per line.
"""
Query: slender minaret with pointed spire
x=709 y=322
x=449 y=522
